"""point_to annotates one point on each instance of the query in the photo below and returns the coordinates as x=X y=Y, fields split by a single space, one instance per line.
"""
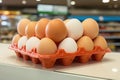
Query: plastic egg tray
x=60 y=56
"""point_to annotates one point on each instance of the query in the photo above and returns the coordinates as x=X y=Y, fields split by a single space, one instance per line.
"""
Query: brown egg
x=46 y=46
x=101 y=42
x=15 y=39
x=86 y=43
x=22 y=25
x=56 y=30
x=30 y=29
x=40 y=27
x=90 y=27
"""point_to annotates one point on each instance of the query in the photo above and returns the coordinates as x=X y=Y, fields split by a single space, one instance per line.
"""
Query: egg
x=65 y=21
x=40 y=27
x=22 y=42
x=90 y=27
x=74 y=28
x=22 y=25
x=69 y=45
x=46 y=46
x=30 y=29
x=32 y=43
x=86 y=43
x=15 y=39
x=101 y=42
x=56 y=30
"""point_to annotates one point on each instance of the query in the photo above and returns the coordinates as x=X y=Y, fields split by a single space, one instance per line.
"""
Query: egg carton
x=48 y=61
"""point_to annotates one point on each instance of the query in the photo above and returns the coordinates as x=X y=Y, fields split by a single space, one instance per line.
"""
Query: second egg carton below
x=48 y=61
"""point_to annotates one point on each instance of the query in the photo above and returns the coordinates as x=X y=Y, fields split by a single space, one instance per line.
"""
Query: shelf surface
x=112 y=37
x=109 y=30
x=109 y=68
x=9 y=28
x=114 y=43
x=13 y=67
x=109 y=24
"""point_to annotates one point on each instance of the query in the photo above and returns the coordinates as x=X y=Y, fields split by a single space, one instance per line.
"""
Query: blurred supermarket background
x=105 y=12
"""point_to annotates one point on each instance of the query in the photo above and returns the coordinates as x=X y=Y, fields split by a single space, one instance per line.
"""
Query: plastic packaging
x=61 y=56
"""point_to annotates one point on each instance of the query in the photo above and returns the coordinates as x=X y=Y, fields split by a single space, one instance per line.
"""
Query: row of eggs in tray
x=47 y=36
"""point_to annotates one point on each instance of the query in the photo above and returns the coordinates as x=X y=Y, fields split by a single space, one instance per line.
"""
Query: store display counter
x=14 y=68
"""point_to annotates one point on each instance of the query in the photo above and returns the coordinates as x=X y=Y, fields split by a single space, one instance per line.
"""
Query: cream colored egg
x=86 y=43
x=46 y=46
x=65 y=21
x=101 y=42
x=74 y=28
x=22 y=42
x=32 y=43
x=69 y=45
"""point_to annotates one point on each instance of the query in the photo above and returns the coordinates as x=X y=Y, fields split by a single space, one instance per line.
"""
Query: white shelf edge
x=22 y=73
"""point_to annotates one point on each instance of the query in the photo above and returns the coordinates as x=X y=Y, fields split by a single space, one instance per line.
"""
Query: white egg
x=75 y=29
x=69 y=45
x=22 y=42
x=32 y=43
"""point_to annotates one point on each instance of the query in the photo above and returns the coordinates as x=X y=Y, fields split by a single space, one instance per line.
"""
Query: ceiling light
x=115 y=0
x=38 y=0
x=73 y=2
x=105 y=1
x=0 y=1
x=24 y=2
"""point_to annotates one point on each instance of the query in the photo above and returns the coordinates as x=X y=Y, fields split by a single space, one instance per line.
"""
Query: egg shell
x=30 y=29
x=65 y=21
x=74 y=28
x=86 y=43
x=40 y=27
x=56 y=30
x=69 y=45
x=101 y=42
x=90 y=27
x=22 y=42
x=15 y=39
x=32 y=43
x=22 y=25
x=46 y=46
